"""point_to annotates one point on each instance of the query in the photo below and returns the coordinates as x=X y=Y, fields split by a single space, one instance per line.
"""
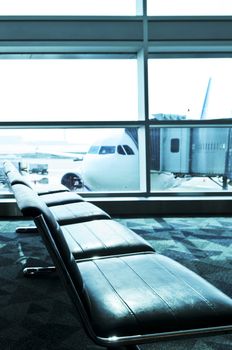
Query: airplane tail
x=206 y=100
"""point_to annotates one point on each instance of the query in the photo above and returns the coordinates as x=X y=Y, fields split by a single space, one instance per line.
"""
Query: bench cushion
x=49 y=189
x=58 y=198
x=14 y=177
x=101 y=238
x=150 y=293
x=77 y=212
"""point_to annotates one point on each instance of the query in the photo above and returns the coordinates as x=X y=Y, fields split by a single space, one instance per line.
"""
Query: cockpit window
x=107 y=150
x=120 y=150
x=128 y=149
x=94 y=149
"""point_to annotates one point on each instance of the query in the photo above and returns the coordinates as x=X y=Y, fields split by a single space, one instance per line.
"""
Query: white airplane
x=112 y=163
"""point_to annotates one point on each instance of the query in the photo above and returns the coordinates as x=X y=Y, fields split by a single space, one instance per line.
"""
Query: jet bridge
x=193 y=151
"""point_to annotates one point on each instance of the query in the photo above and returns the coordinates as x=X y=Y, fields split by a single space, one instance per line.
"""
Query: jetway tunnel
x=193 y=151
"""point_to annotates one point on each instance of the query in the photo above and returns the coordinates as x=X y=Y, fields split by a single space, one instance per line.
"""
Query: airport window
x=68 y=7
x=189 y=8
x=72 y=89
x=190 y=89
x=79 y=158
x=163 y=90
x=197 y=166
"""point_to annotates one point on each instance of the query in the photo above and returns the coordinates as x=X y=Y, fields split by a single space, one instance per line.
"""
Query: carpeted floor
x=36 y=314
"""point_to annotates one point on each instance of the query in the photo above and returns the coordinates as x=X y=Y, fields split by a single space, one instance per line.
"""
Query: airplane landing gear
x=72 y=181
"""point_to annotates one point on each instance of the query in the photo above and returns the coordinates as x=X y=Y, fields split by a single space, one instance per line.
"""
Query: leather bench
x=72 y=212
x=76 y=210
x=129 y=299
x=15 y=177
x=88 y=230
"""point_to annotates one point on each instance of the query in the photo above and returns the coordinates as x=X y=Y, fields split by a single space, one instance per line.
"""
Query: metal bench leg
x=38 y=271
x=128 y=347
x=26 y=229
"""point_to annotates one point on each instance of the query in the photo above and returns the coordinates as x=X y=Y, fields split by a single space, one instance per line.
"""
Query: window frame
x=142 y=35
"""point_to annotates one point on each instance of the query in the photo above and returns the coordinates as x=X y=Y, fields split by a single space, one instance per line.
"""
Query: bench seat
x=77 y=212
x=89 y=230
x=57 y=198
x=101 y=238
x=149 y=294
x=130 y=298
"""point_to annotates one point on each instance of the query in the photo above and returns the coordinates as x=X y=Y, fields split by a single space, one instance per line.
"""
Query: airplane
x=112 y=164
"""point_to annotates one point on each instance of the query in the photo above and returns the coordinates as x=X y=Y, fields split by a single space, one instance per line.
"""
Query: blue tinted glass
x=190 y=88
x=189 y=8
x=68 y=7
x=94 y=149
x=107 y=150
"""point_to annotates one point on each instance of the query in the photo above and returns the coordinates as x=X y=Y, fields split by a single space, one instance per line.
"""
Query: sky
x=101 y=89
x=68 y=89
x=68 y=7
x=178 y=86
x=189 y=7
x=114 y=7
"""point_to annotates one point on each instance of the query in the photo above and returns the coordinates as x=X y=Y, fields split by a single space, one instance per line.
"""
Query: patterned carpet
x=37 y=314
